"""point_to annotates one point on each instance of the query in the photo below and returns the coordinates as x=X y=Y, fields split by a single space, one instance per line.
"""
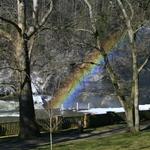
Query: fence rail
x=58 y=123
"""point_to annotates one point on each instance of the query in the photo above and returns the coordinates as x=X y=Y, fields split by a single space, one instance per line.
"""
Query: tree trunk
x=135 y=80
x=129 y=112
x=28 y=125
x=130 y=106
x=135 y=88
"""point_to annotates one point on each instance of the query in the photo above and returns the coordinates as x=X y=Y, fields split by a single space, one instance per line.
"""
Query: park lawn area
x=124 y=141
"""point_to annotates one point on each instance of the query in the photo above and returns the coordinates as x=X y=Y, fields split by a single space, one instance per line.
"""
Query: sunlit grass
x=123 y=141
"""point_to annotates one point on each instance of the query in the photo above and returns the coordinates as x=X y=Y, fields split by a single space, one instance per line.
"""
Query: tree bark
x=135 y=76
x=131 y=106
x=28 y=125
x=129 y=113
x=135 y=88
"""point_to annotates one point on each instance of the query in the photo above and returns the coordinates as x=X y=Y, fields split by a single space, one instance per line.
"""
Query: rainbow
x=67 y=94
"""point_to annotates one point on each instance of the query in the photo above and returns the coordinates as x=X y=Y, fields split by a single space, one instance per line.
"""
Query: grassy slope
x=124 y=141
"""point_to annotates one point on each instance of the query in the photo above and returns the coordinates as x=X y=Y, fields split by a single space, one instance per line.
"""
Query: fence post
x=86 y=120
x=58 y=122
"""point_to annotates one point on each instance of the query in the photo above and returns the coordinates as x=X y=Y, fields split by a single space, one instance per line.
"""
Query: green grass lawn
x=123 y=141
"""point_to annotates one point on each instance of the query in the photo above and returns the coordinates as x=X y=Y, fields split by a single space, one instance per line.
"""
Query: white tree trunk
x=135 y=77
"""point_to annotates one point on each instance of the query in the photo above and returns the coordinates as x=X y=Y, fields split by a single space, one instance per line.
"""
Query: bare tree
x=130 y=104
x=23 y=43
x=133 y=108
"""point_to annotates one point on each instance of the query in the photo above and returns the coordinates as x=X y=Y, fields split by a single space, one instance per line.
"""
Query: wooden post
x=58 y=123
x=86 y=120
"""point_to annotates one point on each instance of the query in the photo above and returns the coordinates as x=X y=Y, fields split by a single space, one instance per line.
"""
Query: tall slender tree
x=133 y=108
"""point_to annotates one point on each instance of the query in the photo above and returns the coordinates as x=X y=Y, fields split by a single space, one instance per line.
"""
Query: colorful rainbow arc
x=66 y=94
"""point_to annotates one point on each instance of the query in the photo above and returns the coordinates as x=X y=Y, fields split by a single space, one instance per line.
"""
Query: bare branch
x=147 y=5
x=91 y=15
x=127 y=21
x=11 y=68
x=148 y=69
x=131 y=9
x=35 y=11
x=31 y=46
x=46 y=82
x=92 y=63
x=12 y=23
x=6 y=35
x=35 y=29
x=144 y=64
x=84 y=30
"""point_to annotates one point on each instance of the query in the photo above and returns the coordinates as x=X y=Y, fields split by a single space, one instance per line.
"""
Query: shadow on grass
x=14 y=143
